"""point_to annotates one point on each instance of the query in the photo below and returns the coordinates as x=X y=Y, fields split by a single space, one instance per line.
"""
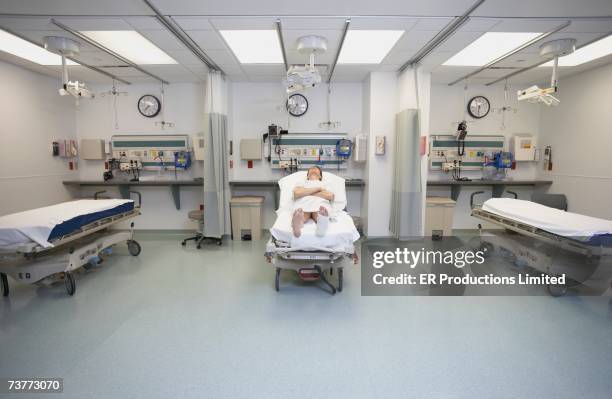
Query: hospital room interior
x=211 y=198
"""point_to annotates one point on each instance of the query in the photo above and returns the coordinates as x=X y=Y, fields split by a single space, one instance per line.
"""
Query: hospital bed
x=43 y=245
x=312 y=257
x=549 y=240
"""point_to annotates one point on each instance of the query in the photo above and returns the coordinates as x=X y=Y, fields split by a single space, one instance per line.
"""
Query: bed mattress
x=43 y=225
x=340 y=235
x=593 y=231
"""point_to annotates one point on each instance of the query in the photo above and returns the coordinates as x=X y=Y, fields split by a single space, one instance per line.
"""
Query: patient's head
x=314 y=173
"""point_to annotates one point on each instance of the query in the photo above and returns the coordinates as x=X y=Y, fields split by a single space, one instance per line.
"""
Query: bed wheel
x=133 y=248
x=5 y=285
x=487 y=248
x=220 y=242
x=340 y=278
x=70 y=283
x=277 y=279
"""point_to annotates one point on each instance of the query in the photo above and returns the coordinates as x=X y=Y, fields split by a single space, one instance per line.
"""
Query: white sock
x=322 y=225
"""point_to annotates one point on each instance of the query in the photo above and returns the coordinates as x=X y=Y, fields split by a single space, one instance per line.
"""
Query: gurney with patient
x=313 y=234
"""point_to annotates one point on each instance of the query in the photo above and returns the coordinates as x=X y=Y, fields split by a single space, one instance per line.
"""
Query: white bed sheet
x=35 y=225
x=340 y=235
x=553 y=220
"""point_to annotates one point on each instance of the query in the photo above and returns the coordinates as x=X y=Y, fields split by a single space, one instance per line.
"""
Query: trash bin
x=246 y=216
x=439 y=217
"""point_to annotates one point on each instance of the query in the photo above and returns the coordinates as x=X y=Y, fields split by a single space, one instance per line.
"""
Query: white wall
x=579 y=130
x=382 y=93
x=254 y=106
x=447 y=109
x=183 y=106
x=33 y=116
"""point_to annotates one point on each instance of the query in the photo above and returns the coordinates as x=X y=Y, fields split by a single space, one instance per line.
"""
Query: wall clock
x=479 y=107
x=297 y=105
x=149 y=105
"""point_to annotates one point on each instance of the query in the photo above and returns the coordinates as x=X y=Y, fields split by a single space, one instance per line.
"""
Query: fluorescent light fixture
x=593 y=51
x=488 y=47
x=131 y=45
x=24 y=49
x=367 y=46
x=254 y=46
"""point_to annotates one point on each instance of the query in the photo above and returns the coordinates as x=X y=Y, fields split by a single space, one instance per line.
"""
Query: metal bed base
x=528 y=247
x=303 y=262
x=34 y=264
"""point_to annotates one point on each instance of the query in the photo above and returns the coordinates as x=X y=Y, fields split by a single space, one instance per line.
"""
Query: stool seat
x=196 y=215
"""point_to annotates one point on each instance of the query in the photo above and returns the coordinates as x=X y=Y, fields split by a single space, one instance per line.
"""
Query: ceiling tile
x=184 y=57
x=479 y=25
x=144 y=23
x=522 y=25
x=414 y=39
x=163 y=39
x=28 y=24
x=590 y=26
x=259 y=70
x=222 y=57
x=459 y=41
x=243 y=23
x=398 y=57
x=313 y=23
x=95 y=24
x=237 y=77
x=436 y=24
x=193 y=23
x=207 y=39
x=383 y=23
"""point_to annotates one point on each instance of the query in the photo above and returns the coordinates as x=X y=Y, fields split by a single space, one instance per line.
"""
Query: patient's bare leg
x=297 y=222
x=322 y=221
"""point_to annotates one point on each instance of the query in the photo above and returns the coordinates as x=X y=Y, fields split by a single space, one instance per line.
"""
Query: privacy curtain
x=407 y=196
x=216 y=189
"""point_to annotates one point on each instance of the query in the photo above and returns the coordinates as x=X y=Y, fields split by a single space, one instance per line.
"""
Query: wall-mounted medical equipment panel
x=523 y=146
x=444 y=150
x=304 y=150
x=153 y=152
x=250 y=149
x=92 y=149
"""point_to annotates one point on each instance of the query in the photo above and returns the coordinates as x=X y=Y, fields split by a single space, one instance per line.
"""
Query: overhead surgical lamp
x=556 y=48
x=67 y=47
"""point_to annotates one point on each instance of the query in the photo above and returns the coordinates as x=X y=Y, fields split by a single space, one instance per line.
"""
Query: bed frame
x=34 y=264
x=527 y=245
x=305 y=263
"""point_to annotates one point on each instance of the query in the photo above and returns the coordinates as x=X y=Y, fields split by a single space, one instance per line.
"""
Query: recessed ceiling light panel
x=19 y=47
x=488 y=47
x=254 y=46
x=367 y=46
x=131 y=45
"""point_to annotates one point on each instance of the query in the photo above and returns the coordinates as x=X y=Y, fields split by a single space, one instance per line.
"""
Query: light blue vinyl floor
x=183 y=323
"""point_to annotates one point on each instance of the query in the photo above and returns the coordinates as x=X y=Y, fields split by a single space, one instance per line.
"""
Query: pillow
x=287 y=184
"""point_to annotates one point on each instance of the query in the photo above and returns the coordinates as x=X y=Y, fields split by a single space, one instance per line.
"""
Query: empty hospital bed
x=46 y=244
x=550 y=240
x=310 y=255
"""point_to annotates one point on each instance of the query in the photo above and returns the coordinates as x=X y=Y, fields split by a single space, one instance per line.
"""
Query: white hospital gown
x=312 y=203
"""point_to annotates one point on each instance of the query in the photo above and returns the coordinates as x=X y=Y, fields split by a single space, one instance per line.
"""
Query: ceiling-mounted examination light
x=555 y=48
x=67 y=47
x=21 y=48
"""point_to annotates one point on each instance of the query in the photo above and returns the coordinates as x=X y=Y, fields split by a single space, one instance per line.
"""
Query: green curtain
x=407 y=197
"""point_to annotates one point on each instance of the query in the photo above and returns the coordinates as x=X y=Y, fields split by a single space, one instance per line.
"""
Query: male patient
x=312 y=200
